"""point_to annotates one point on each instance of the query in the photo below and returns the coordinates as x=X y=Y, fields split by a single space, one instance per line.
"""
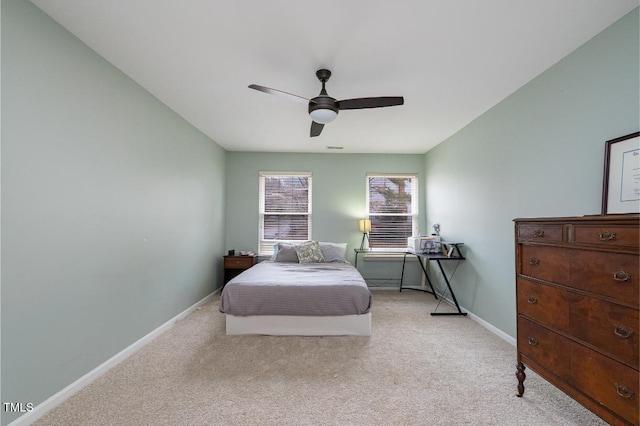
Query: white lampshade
x=323 y=115
x=364 y=225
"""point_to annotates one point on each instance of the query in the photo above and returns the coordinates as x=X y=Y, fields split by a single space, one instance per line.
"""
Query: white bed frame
x=285 y=325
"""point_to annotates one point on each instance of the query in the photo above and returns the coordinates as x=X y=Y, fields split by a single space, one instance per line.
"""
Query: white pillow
x=334 y=252
x=284 y=252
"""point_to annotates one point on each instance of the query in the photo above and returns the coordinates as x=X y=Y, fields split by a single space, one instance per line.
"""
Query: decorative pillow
x=286 y=253
x=275 y=252
x=309 y=252
x=334 y=252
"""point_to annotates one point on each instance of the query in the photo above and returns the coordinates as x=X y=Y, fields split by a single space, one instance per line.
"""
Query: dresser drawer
x=610 y=328
x=610 y=383
x=545 y=304
x=604 y=380
x=239 y=262
x=602 y=235
x=545 y=263
x=540 y=233
x=608 y=274
x=546 y=348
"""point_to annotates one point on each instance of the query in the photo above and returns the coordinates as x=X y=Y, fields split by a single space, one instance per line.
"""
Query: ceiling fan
x=324 y=109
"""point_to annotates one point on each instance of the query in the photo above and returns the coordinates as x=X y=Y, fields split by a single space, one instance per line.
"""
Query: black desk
x=456 y=255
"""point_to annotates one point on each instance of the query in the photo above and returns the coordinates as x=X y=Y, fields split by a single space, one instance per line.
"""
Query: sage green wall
x=339 y=192
x=540 y=152
x=112 y=209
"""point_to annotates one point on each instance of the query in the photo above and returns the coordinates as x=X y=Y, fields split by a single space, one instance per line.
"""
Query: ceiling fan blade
x=316 y=129
x=279 y=93
x=379 y=102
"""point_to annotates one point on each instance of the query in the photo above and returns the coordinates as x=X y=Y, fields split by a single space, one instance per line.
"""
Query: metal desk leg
x=424 y=270
x=404 y=260
x=426 y=275
x=453 y=296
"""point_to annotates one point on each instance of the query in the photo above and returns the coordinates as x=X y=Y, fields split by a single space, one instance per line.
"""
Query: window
x=285 y=209
x=392 y=207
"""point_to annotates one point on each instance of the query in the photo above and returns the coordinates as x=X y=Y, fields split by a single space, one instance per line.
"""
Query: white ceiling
x=452 y=60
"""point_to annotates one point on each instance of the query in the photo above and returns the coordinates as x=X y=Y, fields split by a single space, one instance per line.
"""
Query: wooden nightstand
x=234 y=265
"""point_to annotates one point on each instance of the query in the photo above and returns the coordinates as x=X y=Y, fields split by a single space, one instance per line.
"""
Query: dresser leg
x=521 y=376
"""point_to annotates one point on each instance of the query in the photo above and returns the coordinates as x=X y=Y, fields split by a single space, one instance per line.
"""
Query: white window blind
x=392 y=206
x=285 y=208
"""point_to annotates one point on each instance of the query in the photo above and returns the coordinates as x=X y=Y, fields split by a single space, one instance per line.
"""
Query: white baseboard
x=491 y=328
x=384 y=288
x=58 y=398
x=485 y=324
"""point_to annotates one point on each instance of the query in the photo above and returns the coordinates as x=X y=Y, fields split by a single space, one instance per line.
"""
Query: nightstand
x=234 y=265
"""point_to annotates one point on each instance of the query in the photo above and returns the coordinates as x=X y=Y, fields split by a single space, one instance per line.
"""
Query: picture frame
x=621 y=183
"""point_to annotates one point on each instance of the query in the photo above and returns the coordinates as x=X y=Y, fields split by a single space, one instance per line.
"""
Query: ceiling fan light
x=323 y=115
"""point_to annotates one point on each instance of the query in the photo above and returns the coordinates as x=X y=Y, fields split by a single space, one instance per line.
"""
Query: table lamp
x=365 y=228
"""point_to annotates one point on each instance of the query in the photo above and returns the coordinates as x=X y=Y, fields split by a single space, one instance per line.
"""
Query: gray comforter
x=312 y=289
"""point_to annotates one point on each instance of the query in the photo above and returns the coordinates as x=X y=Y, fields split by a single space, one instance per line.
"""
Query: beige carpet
x=415 y=370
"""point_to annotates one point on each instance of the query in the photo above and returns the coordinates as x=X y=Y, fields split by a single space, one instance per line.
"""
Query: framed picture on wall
x=621 y=188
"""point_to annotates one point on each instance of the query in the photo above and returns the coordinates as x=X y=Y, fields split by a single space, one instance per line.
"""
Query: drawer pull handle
x=534 y=261
x=621 y=276
x=533 y=341
x=539 y=233
x=622 y=331
x=607 y=236
x=532 y=299
x=624 y=391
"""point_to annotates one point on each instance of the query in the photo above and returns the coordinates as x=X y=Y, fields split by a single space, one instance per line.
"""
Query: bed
x=284 y=296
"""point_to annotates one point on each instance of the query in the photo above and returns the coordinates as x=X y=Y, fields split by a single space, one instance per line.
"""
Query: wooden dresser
x=577 y=309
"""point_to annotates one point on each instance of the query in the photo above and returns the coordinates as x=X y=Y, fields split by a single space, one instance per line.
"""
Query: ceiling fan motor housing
x=323 y=109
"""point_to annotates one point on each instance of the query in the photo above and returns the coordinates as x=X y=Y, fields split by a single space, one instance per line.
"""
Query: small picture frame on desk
x=450 y=251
